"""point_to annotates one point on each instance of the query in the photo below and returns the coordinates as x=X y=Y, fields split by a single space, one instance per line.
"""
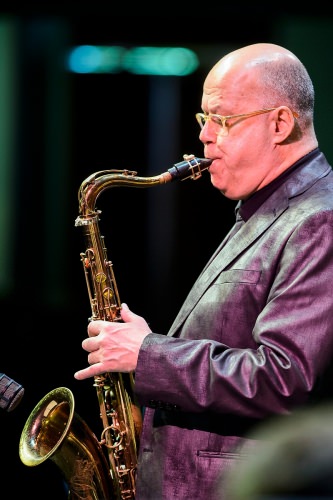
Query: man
x=254 y=337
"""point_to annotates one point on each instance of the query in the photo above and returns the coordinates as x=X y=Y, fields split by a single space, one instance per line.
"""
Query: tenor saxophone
x=95 y=469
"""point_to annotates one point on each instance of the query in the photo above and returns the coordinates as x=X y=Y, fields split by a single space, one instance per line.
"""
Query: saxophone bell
x=54 y=431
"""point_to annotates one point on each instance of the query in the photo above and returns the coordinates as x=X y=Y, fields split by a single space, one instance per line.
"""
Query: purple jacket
x=254 y=338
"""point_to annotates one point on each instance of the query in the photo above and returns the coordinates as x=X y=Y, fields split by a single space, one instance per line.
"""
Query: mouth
x=210 y=160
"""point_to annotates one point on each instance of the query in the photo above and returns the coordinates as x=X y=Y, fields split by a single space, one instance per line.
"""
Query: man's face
x=243 y=149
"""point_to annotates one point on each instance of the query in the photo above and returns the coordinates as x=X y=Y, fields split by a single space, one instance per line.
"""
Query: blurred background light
x=96 y=59
x=167 y=61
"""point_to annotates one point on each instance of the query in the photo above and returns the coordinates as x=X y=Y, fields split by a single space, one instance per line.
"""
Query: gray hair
x=288 y=83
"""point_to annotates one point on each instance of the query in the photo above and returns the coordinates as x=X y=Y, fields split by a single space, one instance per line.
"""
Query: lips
x=210 y=166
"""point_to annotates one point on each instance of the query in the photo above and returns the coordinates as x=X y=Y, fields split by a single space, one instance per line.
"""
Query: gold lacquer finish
x=55 y=431
x=105 y=469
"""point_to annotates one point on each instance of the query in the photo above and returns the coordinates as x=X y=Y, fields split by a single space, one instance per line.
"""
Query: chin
x=215 y=182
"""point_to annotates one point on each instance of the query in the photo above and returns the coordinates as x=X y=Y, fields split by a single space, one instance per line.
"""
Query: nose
x=208 y=132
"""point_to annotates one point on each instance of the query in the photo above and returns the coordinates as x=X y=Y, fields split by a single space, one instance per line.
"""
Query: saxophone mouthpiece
x=192 y=167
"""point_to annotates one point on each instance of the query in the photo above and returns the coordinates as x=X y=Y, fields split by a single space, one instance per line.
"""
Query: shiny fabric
x=254 y=338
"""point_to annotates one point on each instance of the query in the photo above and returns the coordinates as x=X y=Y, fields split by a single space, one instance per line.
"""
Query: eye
x=217 y=119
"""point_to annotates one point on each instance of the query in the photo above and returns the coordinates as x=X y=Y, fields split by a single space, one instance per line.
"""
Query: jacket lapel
x=230 y=248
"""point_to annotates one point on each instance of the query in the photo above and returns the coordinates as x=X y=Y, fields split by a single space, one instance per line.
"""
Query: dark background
x=57 y=129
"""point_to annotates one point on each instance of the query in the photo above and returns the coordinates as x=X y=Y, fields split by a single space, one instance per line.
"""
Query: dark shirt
x=248 y=207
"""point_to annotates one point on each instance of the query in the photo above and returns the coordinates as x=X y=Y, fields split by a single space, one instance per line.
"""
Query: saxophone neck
x=190 y=168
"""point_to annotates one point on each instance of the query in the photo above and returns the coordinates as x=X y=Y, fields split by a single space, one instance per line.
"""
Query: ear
x=284 y=122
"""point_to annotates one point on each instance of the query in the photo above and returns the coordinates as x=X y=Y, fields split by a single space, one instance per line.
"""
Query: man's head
x=272 y=89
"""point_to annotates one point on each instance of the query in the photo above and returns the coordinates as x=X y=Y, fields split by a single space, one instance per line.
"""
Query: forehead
x=225 y=88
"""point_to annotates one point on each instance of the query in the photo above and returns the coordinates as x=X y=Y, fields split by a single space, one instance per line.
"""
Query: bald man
x=254 y=337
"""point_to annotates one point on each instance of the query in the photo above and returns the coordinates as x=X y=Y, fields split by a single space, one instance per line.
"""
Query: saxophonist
x=254 y=337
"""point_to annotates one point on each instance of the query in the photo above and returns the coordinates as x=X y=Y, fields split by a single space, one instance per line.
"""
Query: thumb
x=128 y=316
x=125 y=312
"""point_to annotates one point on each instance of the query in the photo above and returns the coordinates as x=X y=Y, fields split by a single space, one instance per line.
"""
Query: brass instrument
x=105 y=469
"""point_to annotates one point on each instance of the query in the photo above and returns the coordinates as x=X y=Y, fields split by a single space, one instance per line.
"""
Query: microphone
x=10 y=393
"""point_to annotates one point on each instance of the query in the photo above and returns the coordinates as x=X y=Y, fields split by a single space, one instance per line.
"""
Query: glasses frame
x=221 y=120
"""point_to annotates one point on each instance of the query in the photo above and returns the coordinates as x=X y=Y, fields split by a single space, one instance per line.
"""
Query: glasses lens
x=201 y=119
x=222 y=124
x=216 y=119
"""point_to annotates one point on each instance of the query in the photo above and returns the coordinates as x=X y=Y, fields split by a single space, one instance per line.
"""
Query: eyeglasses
x=220 y=120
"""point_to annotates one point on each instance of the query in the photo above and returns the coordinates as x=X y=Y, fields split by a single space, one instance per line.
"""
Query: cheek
x=236 y=162
x=244 y=147
x=231 y=150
